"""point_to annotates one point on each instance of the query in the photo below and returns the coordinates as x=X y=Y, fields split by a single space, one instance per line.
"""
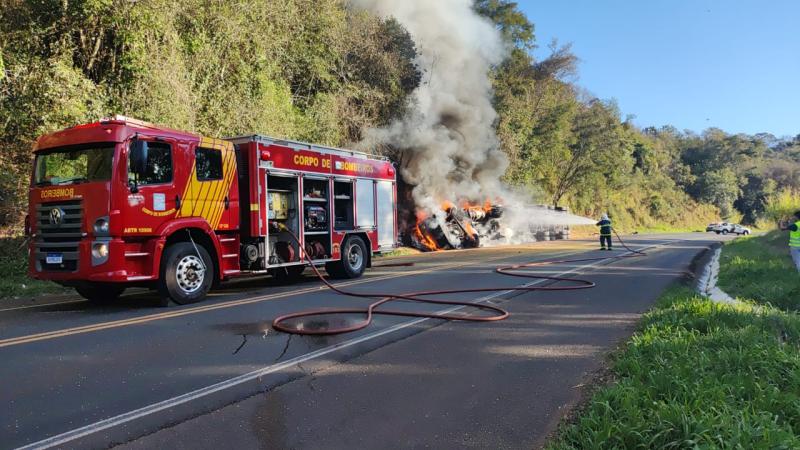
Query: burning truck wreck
x=457 y=227
x=469 y=226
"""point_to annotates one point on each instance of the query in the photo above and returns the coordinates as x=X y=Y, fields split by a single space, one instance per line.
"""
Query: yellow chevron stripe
x=227 y=167
x=186 y=200
x=225 y=184
x=197 y=193
x=208 y=197
x=215 y=205
x=230 y=168
x=216 y=215
x=205 y=198
x=222 y=188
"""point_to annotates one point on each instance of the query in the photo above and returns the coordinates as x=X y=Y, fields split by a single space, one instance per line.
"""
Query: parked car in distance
x=722 y=227
x=725 y=228
x=741 y=229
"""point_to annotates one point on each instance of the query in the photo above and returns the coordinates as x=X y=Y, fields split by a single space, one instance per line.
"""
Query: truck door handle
x=177 y=202
x=227 y=202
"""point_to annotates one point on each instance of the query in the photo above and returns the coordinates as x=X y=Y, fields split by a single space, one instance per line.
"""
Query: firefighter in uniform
x=794 y=240
x=605 y=232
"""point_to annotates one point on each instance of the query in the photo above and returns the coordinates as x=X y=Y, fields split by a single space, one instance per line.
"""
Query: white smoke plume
x=522 y=224
x=451 y=151
x=448 y=139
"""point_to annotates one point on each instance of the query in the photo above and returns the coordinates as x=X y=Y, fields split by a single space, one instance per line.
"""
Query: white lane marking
x=129 y=416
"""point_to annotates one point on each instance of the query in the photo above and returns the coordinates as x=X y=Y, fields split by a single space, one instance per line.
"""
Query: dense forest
x=326 y=71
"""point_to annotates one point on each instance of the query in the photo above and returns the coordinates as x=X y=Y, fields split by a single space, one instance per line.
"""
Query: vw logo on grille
x=56 y=216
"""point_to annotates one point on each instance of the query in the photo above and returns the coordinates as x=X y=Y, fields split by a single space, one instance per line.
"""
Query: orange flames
x=486 y=207
x=424 y=237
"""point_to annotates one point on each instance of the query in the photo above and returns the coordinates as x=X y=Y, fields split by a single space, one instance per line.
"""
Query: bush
x=14 y=267
x=782 y=206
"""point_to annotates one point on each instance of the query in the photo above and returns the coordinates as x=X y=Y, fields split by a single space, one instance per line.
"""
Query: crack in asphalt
x=285 y=349
x=244 y=341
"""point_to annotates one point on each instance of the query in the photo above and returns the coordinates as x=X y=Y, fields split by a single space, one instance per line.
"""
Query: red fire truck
x=121 y=202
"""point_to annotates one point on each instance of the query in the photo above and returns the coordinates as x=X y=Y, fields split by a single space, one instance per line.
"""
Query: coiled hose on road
x=371 y=310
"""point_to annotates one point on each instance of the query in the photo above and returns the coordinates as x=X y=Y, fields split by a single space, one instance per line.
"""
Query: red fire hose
x=497 y=313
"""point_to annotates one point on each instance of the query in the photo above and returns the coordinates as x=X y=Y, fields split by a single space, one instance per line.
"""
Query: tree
x=536 y=109
x=598 y=151
x=512 y=23
x=720 y=188
x=754 y=196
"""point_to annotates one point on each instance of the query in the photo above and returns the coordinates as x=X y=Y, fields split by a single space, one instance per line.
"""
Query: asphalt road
x=216 y=375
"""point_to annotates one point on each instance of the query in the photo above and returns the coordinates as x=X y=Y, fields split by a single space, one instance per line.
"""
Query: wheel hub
x=190 y=273
x=355 y=257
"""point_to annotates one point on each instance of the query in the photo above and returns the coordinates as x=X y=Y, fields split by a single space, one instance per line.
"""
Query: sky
x=692 y=64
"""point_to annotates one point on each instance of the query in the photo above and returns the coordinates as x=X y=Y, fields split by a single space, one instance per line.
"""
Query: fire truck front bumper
x=95 y=260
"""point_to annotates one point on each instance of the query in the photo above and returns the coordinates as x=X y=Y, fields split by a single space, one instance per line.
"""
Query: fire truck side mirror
x=138 y=157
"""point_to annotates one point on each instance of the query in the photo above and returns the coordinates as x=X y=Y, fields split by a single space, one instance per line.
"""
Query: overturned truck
x=470 y=226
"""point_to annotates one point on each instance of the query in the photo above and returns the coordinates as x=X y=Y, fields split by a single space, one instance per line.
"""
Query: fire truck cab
x=121 y=202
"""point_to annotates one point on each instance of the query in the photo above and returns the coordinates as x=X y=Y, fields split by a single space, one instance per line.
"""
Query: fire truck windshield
x=73 y=166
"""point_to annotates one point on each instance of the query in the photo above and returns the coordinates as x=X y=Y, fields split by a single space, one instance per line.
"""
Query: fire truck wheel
x=354 y=259
x=100 y=292
x=334 y=269
x=185 y=278
x=288 y=274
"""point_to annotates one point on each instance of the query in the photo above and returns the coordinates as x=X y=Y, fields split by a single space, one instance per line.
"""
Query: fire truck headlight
x=101 y=226
x=100 y=250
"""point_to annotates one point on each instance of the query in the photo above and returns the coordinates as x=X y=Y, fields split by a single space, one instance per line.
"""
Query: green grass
x=698 y=375
x=669 y=229
x=760 y=269
x=589 y=229
x=14 y=281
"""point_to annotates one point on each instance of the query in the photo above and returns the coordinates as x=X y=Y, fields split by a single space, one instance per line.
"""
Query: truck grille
x=59 y=235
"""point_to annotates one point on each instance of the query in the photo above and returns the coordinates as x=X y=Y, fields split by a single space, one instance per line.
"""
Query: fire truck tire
x=183 y=278
x=334 y=269
x=100 y=292
x=353 y=262
x=288 y=274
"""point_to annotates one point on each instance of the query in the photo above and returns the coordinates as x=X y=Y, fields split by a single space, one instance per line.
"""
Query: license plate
x=54 y=258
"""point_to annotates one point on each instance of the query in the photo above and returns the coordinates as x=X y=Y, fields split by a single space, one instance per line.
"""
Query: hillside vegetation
x=321 y=71
x=303 y=69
